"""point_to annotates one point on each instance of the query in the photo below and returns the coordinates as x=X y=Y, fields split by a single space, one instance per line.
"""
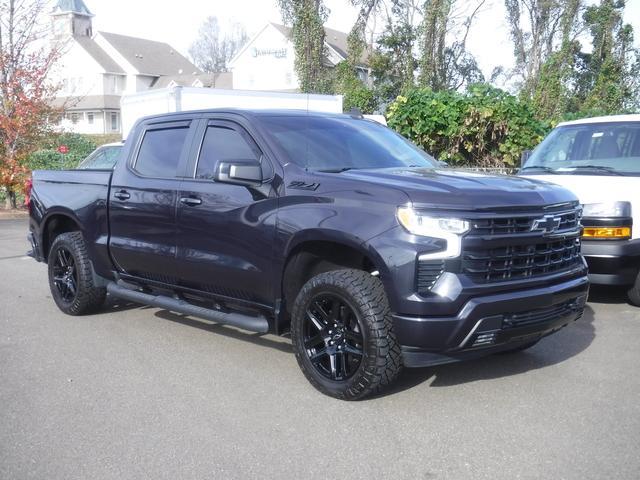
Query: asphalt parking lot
x=137 y=392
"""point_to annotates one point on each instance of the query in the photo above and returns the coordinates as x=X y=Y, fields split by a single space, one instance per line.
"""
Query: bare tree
x=446 y=64
x=213 y=49
x=538 y=27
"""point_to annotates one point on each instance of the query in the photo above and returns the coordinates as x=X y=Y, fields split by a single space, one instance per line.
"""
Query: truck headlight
x=447 y=228
x=606 y=210
x=611 y=211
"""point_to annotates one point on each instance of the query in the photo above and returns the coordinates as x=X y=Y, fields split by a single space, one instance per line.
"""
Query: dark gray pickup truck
x=330 y=228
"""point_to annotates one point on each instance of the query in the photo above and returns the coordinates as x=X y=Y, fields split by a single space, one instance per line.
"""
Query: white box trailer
x=178 y=99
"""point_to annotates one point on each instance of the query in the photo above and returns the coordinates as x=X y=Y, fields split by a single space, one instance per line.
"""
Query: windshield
x=599 y=148
x=102 y=158
x=342 y=143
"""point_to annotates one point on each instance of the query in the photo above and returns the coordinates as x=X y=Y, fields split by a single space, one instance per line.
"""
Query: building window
x=74 y=118
x=90 y=118
x=114 y=121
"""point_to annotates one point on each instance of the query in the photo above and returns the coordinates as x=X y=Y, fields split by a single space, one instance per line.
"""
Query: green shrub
x=485 y=126
x=355 y=93
x=48 y=157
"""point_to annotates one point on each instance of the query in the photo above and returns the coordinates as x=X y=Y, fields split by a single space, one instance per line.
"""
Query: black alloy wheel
x=333 y=336
x=65 y=274
x=342 y=334
x=72 y=279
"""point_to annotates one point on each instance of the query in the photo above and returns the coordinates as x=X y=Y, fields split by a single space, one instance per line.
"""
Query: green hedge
x=483 y=127
x=48 y=157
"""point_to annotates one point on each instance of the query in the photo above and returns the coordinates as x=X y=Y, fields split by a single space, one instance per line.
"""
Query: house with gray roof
x=267 y=60
x=97 y=68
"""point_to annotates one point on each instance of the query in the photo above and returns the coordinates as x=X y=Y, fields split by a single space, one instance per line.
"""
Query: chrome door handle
x=191 y=201
x=122 y=195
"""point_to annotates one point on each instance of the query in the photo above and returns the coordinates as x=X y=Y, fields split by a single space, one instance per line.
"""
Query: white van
x=599 y=160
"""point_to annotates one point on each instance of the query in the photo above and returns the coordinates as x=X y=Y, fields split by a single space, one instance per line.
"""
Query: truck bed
x=80 y=195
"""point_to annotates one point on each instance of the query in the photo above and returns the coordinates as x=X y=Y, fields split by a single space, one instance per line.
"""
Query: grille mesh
x=520 y=261
x=522 y=223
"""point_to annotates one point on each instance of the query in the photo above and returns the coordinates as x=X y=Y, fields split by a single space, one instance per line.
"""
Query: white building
x=96 y=69
x=266 y=62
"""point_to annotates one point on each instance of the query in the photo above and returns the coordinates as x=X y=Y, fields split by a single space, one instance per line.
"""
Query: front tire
x=343 y=336
x=633 y=294
x=71 y=276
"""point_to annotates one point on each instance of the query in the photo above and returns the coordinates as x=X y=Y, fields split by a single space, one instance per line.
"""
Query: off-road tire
x=633 y=294
x=381 y=361
x=87 y=298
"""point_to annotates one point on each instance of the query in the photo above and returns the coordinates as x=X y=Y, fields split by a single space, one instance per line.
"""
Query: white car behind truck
x=599 y=160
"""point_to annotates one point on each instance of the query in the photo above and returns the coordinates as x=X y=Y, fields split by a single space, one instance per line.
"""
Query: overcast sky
x=177 y=23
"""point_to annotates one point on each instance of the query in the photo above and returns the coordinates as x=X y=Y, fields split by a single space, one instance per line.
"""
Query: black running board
x=246 y=322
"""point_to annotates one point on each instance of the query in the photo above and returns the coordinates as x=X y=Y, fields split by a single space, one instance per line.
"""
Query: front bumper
x=612 y=262
x=490 y=323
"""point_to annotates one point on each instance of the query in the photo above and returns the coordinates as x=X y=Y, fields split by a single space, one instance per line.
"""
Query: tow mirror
x=239 y=172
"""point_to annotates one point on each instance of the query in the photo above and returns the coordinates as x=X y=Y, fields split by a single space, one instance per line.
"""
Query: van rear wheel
x=343 y=336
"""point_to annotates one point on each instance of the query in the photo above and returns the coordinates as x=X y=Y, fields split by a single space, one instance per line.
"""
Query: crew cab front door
x=143 y=200
x=225 y=232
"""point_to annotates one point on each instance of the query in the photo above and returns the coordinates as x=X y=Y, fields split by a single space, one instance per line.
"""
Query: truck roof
x=253 y=112
x=635 y=117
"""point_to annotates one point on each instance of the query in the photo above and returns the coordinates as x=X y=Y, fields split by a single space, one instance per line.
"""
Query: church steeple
x=71 y=18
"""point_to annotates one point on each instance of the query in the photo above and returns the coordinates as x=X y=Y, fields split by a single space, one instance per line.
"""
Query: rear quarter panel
x=80 y=195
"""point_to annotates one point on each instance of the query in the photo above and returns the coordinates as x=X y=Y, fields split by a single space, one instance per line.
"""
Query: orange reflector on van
x=607 y=232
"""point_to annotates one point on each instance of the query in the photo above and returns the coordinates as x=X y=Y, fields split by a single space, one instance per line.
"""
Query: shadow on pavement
x=114 y=304
x=258 y=339
x=552 y=350
x=607 y=294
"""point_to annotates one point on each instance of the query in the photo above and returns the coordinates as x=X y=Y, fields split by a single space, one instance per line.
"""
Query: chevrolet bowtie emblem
x=546 y=224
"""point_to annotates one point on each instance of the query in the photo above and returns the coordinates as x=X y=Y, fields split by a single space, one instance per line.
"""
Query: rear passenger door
x=143 y=200
x=225 y=231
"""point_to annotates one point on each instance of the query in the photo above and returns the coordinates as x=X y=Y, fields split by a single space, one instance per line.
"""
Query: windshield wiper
x=539 y=167
x=336 y=170
x=598 y=167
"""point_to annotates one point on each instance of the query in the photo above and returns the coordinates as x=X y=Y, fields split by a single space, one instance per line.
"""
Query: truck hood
x=601 y=188
x=461 y=189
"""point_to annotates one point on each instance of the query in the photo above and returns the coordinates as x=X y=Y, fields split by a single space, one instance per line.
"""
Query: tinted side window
x=223 y=143
x=160 y=151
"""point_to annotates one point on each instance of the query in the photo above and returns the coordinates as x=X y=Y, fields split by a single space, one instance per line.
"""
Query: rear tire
x=633 y=294
x=342 y=334
x=71 y=277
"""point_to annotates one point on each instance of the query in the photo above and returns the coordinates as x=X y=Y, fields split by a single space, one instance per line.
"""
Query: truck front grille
x=514 y=262
x=569 y=220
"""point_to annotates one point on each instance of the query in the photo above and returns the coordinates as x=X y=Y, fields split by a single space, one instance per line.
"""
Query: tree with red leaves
x=25 y=94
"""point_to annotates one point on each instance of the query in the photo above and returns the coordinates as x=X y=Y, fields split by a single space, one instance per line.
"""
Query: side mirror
x=239 y=172
x=524 y=157
x=442 y=164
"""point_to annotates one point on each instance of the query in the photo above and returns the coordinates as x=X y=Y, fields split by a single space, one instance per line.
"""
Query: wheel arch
x=54 y=224
x=317 y=252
